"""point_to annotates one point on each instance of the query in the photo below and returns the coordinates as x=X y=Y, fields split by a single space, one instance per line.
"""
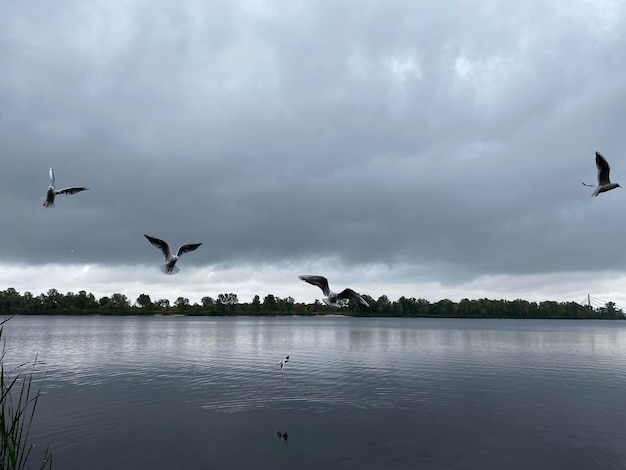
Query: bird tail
x=47 y=203
x=174 y=270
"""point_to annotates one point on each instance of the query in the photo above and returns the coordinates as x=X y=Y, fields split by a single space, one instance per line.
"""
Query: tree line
x=83 y=303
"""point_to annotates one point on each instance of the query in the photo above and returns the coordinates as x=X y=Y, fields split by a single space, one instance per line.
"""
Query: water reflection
x=540 y=381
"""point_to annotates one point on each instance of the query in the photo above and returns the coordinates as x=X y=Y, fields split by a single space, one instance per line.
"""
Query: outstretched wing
x=161 y=245
x=51 y=173
x=353 y=296
x=319 y=281
x=187 y=248
x=71 y=190
x=603 y=169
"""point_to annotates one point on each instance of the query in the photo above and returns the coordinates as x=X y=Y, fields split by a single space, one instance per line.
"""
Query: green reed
x=18 y=401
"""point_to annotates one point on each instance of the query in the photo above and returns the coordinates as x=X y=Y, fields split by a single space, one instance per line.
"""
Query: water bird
x=283 y=362
x=170 y=260
x=51 y=194
x=604 y=183
x=332 y=298
x=282 y=435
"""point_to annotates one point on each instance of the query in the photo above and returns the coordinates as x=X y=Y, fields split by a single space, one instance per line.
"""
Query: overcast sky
x=426 y=149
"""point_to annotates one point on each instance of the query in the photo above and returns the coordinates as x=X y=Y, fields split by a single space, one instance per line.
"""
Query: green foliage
x=226 y=304
x=182 y=305
x=269 y=304
x=17 y=409
x=11 y=302
x=143 y=301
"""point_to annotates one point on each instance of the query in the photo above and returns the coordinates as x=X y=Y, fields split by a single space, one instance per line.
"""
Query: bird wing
x=187 y=248
x=603 y=169
x=161 y=245
x=319 y=281
x=71 y=190
x=51 y=173
x=352 y=295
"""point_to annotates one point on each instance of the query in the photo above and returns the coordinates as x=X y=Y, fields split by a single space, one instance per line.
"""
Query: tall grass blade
x=18 y=402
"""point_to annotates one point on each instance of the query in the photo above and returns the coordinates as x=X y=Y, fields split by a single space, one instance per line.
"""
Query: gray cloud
x=449 y=137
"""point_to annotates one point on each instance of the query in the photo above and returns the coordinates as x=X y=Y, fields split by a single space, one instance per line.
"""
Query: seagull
x=170 y=260
x=604 y=183
x=332 y=298
x=283 y=362
x=51 y=194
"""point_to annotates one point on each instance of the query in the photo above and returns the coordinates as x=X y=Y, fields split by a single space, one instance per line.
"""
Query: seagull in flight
x=604 y=183
x=331 y=298
x=51 y=194
x=170 y=260
x=283 y=362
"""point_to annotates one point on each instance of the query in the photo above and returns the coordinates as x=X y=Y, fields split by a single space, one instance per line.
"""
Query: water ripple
x=561 y=381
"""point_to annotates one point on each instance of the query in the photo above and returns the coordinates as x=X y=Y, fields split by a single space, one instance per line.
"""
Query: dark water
x=165 y=393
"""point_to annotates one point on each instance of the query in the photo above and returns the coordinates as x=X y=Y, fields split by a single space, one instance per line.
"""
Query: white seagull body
x=604 y=183
x=332 y=298
x=170 y=260
x=283 y=362
x=51 y=194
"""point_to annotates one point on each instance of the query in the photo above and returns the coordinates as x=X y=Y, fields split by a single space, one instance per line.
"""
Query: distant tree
x=269 y=304
x=255 y=306
x=53 y=299
x=84 y=302
x=10 y=301
x=208 y=305
x=181 y=304
x=30 y=303
x=120 y=301
x=383 y=306
x=227 y=299
x=287 y=304
x=548 y=309
x=143 y=301
x=610 y=311
x=226 y=303
x=317 y=306
x=207 y=302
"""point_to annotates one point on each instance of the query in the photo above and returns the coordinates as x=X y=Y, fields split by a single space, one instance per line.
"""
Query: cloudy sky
x=426 y=149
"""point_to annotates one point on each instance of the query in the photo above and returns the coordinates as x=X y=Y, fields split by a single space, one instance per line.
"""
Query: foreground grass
x=18 y=402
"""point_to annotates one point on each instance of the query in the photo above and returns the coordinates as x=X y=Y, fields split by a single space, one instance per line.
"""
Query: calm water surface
x=200 y=393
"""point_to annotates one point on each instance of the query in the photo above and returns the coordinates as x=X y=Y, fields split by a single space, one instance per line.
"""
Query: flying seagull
x=283 y=362
x=604 y=183
x=170 y=260
x=332 y=298
x=51 y=194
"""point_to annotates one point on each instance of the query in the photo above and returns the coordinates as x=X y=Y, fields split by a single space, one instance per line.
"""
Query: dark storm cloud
x=453 y=136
